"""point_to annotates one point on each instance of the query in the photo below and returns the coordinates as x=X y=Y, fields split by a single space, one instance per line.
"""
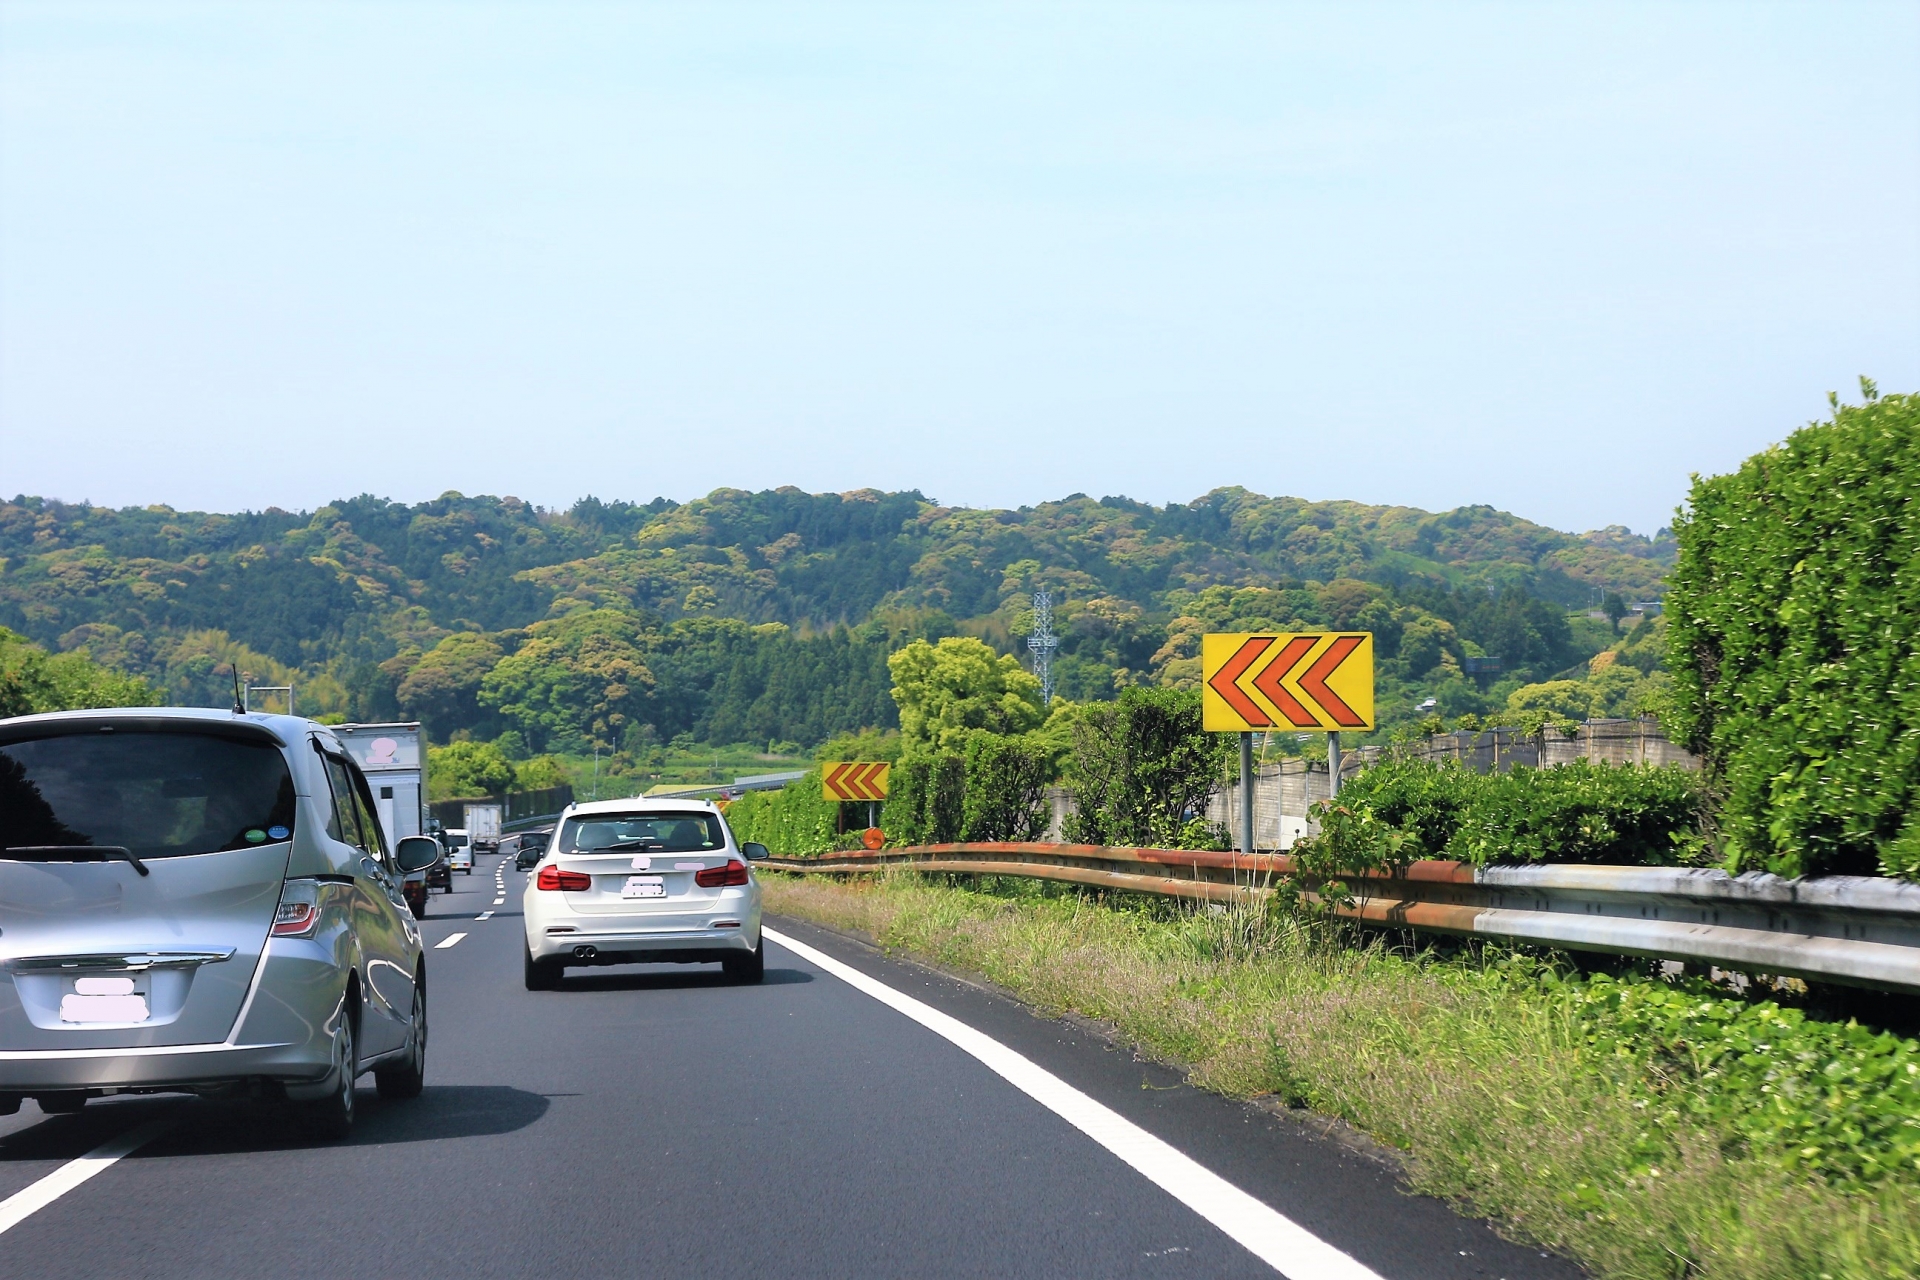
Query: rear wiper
x=52 y=852
x=624 y=845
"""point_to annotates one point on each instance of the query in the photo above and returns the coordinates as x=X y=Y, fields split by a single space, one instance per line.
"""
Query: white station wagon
x=643 y=882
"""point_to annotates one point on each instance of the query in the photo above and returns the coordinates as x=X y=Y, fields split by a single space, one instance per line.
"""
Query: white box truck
x=483 y=827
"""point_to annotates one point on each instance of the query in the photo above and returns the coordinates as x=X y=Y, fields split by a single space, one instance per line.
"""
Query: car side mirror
x=755 y=852
x=416 y=853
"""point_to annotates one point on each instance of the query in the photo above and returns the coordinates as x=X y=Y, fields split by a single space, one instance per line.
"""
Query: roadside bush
x=926 y=800
x=1821 y=1099
x=1006 y=789
x=1402 y=810
x=1794 y=641
x=793 y=820
x=1141 y=769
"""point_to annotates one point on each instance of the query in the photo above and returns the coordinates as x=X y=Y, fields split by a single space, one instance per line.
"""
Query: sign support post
x=1333 y=764
x=1246 y=793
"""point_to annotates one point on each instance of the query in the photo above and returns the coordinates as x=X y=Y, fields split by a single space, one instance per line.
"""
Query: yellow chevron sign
x=1313 y=680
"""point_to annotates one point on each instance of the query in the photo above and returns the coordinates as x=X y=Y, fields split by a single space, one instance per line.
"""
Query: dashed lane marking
x=1263 y=1231
x=484 y=915
x=29 y=1200
x=448 y=941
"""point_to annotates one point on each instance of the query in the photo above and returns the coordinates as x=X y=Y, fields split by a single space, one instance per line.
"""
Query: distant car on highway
x=459 y=851
x=643 y=882
x=440 y=874
x=198 y=901
x=531 y=848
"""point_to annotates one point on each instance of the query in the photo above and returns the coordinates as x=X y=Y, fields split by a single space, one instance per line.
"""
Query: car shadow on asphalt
x=221 y=1127
x=679 y=978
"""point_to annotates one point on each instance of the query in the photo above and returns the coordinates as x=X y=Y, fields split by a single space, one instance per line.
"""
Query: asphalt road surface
x=655 y=1121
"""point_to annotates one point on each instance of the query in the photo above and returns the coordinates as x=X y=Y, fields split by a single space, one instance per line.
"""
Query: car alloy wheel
x=331 y=1118
x=406 y=1078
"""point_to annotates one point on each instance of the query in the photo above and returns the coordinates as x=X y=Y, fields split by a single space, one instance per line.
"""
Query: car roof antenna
x=239 y=703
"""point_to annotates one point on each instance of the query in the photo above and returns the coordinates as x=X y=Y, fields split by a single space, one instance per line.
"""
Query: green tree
x=462 y=769
x=575 y=682
x=32 y=680
x=442 y=690
x=948 y=690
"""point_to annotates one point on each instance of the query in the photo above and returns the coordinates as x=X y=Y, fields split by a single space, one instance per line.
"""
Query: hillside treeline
x=769 y=616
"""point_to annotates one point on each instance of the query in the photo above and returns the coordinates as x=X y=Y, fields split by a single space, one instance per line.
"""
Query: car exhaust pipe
x=585 y=953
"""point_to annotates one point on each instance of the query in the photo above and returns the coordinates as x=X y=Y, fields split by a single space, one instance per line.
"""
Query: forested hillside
x=768 y=616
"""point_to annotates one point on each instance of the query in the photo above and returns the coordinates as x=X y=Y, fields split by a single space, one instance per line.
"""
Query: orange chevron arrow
x=1225 y=681
x=1314 y=683
x=836 y=782
x=1268 y=682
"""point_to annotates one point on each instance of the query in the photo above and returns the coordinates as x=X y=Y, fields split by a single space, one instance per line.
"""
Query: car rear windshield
x=158 y=794
x=642 y=833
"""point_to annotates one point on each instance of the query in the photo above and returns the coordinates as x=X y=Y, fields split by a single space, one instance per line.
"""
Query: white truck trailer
x=483 y=827
x=396 y=769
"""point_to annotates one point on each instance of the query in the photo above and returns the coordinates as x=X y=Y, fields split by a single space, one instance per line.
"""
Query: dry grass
x=1471 y=1065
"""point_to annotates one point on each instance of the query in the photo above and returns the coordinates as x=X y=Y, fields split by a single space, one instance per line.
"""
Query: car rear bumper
x=613 y=945
x=164 y=1067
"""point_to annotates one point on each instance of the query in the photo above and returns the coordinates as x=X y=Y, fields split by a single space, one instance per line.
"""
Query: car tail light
x=715 y=877
x=299 y=911
x=555 y=878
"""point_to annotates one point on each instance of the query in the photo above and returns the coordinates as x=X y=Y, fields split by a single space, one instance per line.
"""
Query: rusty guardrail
x=1856 y=930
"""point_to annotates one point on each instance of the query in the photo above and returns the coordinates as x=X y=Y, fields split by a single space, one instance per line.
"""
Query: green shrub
x=1141 y=769
x=1829 y=1100
x=1794 y=641
x=1006 y=789
x=926 y=800
x=1402 y=810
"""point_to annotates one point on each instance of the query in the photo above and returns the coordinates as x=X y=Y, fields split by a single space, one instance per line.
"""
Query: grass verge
x=1515 y=1090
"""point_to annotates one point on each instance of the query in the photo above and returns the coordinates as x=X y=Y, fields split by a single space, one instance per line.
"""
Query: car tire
x=748 y=969
x=542 y=975
x=331 y=1118
x=405 y=1078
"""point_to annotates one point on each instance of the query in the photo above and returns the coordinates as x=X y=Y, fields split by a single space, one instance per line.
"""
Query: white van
x=459 y=849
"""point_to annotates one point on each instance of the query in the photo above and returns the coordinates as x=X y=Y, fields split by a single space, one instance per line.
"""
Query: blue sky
x=1548 y=257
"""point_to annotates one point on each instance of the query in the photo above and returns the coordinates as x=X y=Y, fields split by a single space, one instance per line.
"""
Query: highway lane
x=658 y=1121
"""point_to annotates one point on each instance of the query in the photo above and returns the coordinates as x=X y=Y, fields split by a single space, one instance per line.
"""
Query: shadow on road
x=679 y=978
x=207 y=1127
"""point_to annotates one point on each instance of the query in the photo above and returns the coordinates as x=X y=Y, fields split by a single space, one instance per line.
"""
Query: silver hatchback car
x=201 y=901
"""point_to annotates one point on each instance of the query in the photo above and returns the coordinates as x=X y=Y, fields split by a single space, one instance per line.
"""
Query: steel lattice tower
x=1043 y=642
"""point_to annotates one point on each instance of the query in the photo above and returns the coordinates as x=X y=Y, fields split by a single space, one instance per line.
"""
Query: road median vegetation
x=1647 y=1128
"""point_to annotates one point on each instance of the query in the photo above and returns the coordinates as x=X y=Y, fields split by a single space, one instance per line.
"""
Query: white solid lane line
x=1264 y=1232
x=31 y=1199
x=448 y=941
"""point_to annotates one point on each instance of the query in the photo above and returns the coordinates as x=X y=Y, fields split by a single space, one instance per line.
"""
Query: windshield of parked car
x=158 y=794
x=642 y=833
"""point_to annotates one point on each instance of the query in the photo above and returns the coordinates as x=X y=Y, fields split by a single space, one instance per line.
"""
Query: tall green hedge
x=1795 y=644
x=1006 y=789
x=926 y=800
x=793 y=820
x=994 y=789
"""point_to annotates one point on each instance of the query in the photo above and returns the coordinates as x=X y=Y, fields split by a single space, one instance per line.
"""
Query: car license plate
x=103 y=1000
x=645 y=887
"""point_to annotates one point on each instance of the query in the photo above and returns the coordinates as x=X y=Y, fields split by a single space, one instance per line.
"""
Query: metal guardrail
x=1855 y=930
